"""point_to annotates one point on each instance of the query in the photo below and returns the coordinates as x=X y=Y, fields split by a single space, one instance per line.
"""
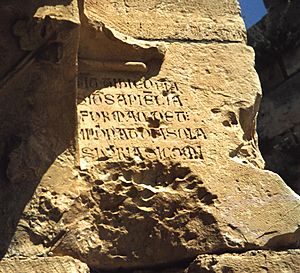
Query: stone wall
x=276 y=39
x=128 y=142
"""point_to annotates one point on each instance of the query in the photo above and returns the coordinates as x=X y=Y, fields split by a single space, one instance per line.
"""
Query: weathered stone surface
x=276 y=40
x=205 y=20
x=38 y=91
x=276 y=37
x=280 y=132
x=43 y=265
x=165 y=166
x=252 y=262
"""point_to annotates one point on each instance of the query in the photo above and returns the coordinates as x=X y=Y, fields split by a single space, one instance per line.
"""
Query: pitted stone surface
x=137 y=153
x=190 y=20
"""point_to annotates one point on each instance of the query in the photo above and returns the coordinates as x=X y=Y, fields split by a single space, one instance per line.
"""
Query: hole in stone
x=146 y=194
x=226 y=123
x=192 y=186
x=115 y=176
x=216 y=110
x=153 y=123
x=232 y=118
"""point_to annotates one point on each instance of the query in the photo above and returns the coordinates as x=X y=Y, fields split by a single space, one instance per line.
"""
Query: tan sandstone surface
x=250 y=262
x=43 y=265
x=129 y=140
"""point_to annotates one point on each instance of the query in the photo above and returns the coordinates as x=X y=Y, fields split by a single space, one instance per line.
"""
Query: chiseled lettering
x=150 y=153
x=145 y=133
x=161 y=152
x=120 y=83
x=135 y=116
x=137 y=151
x=100 y=98
x=148 y=84
x=176 y=100
x=169 y=116
x=176 y=153
x=128 y=153
x=149 y=100
x=118 y=116
x=96 y=98
x=109 y=99
x=132 y=98
x=132 y=133
x=123 y=153
x=84 y=114
x=88 y=152
x=121 y=99
x=171 y=132
x=182 y=116
x=200 y=133
x=170 y=86
x=105 y=116
x=185 y=133
x=159 y=100
x=192 y=153
x=85 y=81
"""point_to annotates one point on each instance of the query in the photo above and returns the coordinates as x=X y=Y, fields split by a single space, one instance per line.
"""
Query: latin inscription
x=127 y=153
x=99 y=133
x=134 y=116
x=87 y=82
x=124 y=119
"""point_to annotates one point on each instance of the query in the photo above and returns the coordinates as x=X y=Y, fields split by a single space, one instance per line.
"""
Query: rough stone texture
x=254 y=261
x=43 y=265
x=161 y=164
x=200 y=20
x=37 y=102
x=276 y=40
x=250 y=262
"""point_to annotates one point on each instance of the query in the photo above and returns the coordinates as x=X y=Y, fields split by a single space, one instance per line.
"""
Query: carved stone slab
x=140 y=152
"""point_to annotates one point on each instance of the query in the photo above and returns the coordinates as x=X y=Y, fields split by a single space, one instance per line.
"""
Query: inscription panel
x=122 y=119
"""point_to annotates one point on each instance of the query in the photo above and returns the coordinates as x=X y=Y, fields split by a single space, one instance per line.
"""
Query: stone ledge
x=43 y=265
x=257 y=261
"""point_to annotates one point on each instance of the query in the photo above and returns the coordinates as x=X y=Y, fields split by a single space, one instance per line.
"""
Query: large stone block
x=158 y=162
